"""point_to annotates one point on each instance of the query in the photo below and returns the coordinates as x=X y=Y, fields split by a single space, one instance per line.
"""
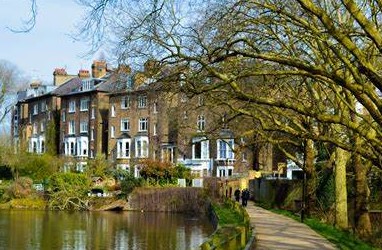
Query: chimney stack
x=60 y=76
x=83 y=73
x=99 y=69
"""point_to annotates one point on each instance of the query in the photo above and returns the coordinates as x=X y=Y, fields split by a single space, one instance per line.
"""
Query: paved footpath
x=274 y=231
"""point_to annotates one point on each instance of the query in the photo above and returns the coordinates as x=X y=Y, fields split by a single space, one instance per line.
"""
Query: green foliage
x=227 y=215
x=69 y=182
x=375 y=184
x=129 y=182
x=97 y=166
x=326 y=189
x=182 y=172
x=68 y=191
x=40 y=167
x=28 y=203
x=51 y=137
x=163 y=173
x=37 y=167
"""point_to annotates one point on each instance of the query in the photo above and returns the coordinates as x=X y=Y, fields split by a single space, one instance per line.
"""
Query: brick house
x=83 y=117
x=130 y=117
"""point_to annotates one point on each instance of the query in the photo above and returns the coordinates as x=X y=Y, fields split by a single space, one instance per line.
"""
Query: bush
x=129 y=183
x=163 y=173
x=20 y=188
x=68 y=191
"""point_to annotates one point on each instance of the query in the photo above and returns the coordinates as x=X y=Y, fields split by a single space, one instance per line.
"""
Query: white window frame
x=123 y=148
x=43 y=106
x=86 y=85
x=42 y=145
x=72 y=106
x=35 y=109
x=155 y=107
x=93 y=113
x=124 y=128
x=112 y=111
x=155 y=129
x=204 y=153
x=84 y=127
x=71 y=127
x=125 y=102
x=33 y=145
x=84 y=104
x=42 y=126
x=225 y=149
x=70 y=146
x=63 y=115
x=35 y=128
x=92 y=134
x=143 y=124
x=82 y=146
x=112 y=132
x=141 y=147
x=142 y=101
x=201 y=123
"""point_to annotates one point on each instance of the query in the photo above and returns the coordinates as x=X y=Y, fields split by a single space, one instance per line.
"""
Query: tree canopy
x=298 y=66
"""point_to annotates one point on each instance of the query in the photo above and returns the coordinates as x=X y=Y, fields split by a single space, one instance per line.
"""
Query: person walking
x=244 y=198
x=237 y=195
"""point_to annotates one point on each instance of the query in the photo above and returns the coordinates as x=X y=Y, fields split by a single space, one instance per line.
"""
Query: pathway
x=274 y=231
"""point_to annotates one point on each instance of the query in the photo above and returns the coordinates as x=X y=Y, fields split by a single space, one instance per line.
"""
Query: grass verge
x=227 y=215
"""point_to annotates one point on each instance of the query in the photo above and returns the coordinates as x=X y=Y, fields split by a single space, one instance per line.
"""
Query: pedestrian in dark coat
x=243 y=198
x=237 y=195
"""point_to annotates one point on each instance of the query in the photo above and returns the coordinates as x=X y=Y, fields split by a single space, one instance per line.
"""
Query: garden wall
x=278 y=193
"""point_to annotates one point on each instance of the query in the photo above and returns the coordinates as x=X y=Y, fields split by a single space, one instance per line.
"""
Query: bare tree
x=11 y=80
x=323 y=58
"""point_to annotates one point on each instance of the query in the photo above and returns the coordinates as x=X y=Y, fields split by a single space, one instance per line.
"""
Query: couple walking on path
x=274 y=231
x=244 y=196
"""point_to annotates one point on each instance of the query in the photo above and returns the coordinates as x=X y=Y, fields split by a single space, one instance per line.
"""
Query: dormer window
x=86 y=85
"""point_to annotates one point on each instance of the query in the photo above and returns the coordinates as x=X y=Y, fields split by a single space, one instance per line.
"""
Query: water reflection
x=101 y=230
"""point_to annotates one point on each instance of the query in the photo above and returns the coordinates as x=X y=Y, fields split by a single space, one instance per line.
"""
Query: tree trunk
x=311 y=177
x=341 y=212
x=362 y=193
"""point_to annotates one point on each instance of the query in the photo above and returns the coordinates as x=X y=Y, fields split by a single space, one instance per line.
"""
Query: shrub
x=68 y=191
x=20 y=188
x=129 y=183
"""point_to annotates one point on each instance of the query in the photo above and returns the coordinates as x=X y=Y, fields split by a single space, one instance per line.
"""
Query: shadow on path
x=274 y=231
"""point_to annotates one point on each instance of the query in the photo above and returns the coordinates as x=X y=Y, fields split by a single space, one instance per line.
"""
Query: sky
x=47 y=46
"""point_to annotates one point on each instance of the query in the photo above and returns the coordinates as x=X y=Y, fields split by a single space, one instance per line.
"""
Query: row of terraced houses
x=127 y=116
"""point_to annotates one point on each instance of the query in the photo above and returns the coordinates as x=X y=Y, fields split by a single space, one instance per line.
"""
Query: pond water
x=101 y=230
